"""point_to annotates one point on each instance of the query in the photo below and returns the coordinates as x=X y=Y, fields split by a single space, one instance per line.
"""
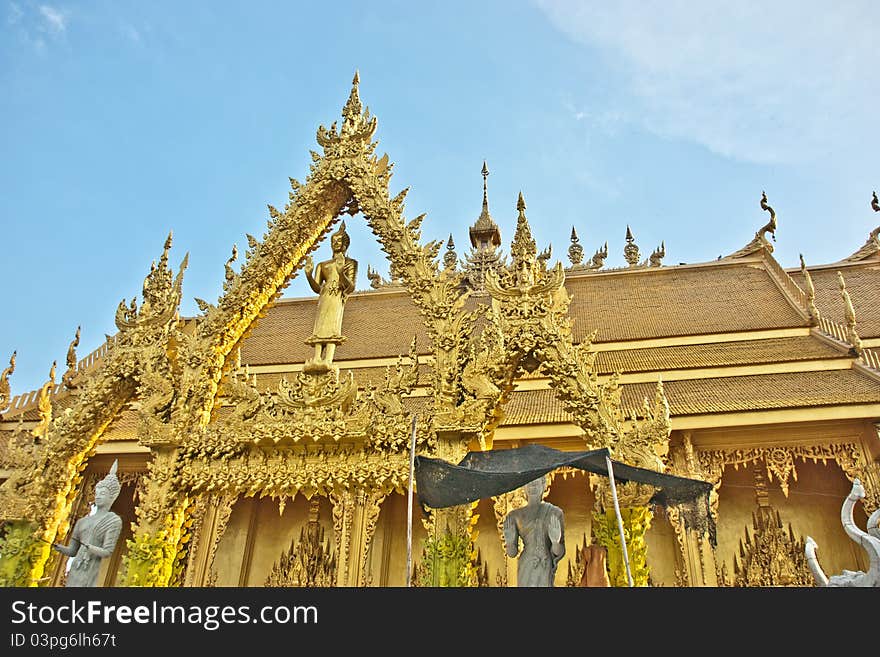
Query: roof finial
x=770 y=227
x=4 y=383
x=850 y=314
x=575 y=250
x=631 y=250
x=875 y=203
x=485 y=188
x=351 y=112
x=811 y=293
x=523 y=247
x=450 y=258
x=485 y=233
x=67 y=377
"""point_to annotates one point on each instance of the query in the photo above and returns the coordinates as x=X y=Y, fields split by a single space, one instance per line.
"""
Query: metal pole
x=409 y=503
x=629 y=576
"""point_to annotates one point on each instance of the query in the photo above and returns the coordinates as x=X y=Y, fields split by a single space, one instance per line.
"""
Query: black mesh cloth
x=479 y=475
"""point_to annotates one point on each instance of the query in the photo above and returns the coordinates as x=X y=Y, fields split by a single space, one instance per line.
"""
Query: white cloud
x=130 y=33
x=55 y=20
x=15 y=14
x=767 y=82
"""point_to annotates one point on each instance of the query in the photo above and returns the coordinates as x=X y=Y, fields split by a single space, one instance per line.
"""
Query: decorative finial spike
x=629 y=235
x=356 y=80
x=521 y=203
x=574 y=235
x=485 y=169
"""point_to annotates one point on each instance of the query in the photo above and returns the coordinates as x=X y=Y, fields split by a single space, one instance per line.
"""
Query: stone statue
x=333 y=280
x=539 y=525
x=869 y=541
x=94 y=536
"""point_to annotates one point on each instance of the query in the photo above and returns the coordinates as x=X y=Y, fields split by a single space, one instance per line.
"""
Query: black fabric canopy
x=479 y=475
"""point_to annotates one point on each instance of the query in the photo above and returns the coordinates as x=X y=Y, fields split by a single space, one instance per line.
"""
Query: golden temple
x=250 y=454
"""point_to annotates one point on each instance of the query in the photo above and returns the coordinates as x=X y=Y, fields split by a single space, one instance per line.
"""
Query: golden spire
x=523 y=247
x=485 y=233
x=850 y=315
x=351 y=112
x=811 y=293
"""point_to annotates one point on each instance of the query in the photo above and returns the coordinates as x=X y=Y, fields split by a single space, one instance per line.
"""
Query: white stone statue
x=869 y=541
x=94 y=536
x=540 y=527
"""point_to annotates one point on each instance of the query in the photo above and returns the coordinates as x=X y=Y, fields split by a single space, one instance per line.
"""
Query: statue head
x=535 y=489
x=107 y=490
x=340 y=240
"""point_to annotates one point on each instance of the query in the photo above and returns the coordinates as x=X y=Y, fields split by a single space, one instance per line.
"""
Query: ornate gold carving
x=781 y=462
x=372 y=508
x=44 y=405
x=485 y=239
x=70 y=374
x=310 y=561
x=872 y=244
x=224 y=504
x=450 y=258
x=657 y=255
x=811 y=294
x=760 y=241
x=5 y=395
x=598 y=259
x=631 y=250
x=575 y=250
x=772 y=555
x=852 y=335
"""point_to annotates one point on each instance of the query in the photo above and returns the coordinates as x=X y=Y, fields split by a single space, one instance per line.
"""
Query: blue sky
x=122 y=120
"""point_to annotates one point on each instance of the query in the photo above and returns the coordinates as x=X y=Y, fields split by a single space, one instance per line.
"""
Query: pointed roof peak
x=485 y=230
x=351 y=112
x=523 y=247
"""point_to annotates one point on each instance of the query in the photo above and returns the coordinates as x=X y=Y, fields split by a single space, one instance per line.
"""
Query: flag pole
x=409 y=503
x=619 y=519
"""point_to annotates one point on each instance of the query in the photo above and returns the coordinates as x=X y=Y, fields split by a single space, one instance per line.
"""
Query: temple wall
x=386 y=560
x=662 y=557
x=811 y=508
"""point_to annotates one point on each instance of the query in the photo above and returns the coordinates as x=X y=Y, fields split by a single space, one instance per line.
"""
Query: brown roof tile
x=621 y=305
x=375 y=325
x=716 y=395
x=677 y=301
x=744 y=352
